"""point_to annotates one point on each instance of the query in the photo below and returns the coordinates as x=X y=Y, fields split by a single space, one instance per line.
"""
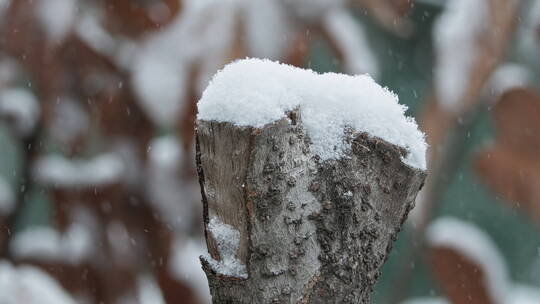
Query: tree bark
x=311 y=231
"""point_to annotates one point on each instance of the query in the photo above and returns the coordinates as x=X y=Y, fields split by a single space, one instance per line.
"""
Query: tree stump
x=300 y=230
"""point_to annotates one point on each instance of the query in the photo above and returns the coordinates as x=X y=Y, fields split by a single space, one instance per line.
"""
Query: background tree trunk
x=310 y=231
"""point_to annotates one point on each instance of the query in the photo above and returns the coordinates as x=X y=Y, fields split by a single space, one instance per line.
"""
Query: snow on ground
x=455 y=35
x=228 y=241
x=21 y=106
x=58 y=171
x=7 y=197
x=47 y=244
x=29 y=285
x=474 y=245
x=255 y=92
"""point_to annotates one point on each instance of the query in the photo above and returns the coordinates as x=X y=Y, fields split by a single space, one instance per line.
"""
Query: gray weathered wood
x=311 y=231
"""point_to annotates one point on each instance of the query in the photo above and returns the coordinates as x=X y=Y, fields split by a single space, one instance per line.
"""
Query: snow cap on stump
x=256 y=92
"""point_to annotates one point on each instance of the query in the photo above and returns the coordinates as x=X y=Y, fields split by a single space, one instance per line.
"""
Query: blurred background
x=99 y=196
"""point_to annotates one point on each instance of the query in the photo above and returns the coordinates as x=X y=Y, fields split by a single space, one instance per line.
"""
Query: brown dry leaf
x=511 y=167
x=299 y=49
x=461 y=280
x=134 y=18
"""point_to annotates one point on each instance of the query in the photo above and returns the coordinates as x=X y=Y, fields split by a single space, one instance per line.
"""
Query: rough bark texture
x=311 y=231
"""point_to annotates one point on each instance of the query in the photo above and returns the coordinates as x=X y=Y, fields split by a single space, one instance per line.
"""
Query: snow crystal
x=22 y=107
x=47 y=244
x=56 y=170
x=254 y=92
x=57 y=17
x=459 y=26
x=29 y=285
x=7 y=197
x=476 y=246
x=228 y=241
x=350 y=36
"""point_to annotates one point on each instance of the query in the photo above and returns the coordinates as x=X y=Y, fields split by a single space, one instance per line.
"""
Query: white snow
x=29 y=285
x=126 y=149
x=58 y=171
x=161 y=87
x=523 y=294
x=4 y=4
x=350 y=37
x=228 y=241
x=57 y=17
x=89 y=29
x=173 y=197
x=202 y=34
x=69 y=121
x=509 y=76
x=21 y=106
x=186 y=266
x=7 y=197
x=426 y=300
x=148 y=291
x=266 y=28
x=456 y=37
x=47 y=244
x=255 y=92
x=477 y=247
x=311 y=10
x=119 y=240
x=528 y=41
x=10 y=70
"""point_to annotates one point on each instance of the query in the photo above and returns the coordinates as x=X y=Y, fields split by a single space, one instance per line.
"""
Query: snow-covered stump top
x=306 y=180
x=255 y=92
